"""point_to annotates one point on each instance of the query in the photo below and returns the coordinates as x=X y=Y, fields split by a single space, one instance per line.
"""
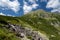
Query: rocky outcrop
x=25 y=33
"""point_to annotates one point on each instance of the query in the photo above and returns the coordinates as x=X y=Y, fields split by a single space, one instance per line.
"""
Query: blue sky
x=22 y=7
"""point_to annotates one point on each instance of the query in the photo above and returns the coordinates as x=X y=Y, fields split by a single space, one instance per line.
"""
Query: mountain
x=36 y=25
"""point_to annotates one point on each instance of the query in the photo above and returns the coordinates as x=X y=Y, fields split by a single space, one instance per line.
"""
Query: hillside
x=36 y=25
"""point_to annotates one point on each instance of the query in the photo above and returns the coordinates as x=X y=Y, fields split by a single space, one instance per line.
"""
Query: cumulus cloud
x=33 y=1
x=7 y=4
x=2 y=14
x=10 y=15
x=43 y=0
x=27 y=8
x=55 y=4
x=34 y=5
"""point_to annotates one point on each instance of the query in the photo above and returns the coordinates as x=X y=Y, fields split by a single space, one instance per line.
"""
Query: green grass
x=42 y=23
x=37 y=20
x=6 y=35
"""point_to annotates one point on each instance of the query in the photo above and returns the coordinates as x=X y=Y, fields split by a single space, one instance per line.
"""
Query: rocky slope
x=36 y=25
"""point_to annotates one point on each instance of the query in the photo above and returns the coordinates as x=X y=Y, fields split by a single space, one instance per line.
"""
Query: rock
x=53 y=36
x=22 y=35
x=24 y=32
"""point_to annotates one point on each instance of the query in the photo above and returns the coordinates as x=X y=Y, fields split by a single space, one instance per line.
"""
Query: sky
x=22 y=7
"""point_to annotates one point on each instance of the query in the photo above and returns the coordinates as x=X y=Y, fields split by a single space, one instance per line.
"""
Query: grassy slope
x=4 y=33
x=41 y=21
x=38 y=20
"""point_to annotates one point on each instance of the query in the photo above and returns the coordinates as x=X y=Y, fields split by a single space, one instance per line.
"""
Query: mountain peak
x=36 y=25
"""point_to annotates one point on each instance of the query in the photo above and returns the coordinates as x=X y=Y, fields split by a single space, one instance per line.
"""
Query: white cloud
x=6 y=14
x=43 y=0
x=27 y=8
x=34 y=5
x=10 y=15
x=33 y=1
x=55 y=4
x=2 y=14
x=13 y=5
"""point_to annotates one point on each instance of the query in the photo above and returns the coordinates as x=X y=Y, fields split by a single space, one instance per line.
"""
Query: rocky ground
x=26 y=33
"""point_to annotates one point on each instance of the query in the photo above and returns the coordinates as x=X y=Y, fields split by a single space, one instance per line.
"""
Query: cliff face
x=37 y=25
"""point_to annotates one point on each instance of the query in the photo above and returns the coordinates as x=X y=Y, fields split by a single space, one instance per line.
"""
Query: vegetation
x=45 y=22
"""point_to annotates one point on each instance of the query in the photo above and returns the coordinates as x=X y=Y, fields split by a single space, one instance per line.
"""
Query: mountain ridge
x=46 y=23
